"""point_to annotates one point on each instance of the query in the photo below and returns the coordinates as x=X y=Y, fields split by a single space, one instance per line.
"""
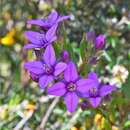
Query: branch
x=49 y=111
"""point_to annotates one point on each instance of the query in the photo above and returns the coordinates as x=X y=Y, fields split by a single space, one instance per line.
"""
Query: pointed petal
x=53 y=16
x=31 y=46
x=71 y=73
x=60 y=67
x=34 y=37
x=95 y=101
x=35 y=67
x=49 y=55
x=53 y=39
x=83 y=85
x=106 y=89
x=62 y=18
x=87 y=94
x=93 y=75
x=51 y=32
x=57 y=89
x=44 y=81
x=71 y=101
x=38 y=22
x=34 y=77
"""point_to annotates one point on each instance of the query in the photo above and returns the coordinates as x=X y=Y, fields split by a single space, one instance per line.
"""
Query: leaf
x=68 y=47
x=107 y=125
x=83 y=46
x=57 y=49
x=126 y=87
x=127 y=124
x=118 y=101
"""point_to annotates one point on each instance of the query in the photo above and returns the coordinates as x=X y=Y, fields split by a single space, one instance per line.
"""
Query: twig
x=23 y=121
x=72 y=121
x=49 y=111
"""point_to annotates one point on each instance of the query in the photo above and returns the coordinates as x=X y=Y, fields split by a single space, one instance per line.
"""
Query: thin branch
x=72 y=121
x=23 y=121
x=49 y=111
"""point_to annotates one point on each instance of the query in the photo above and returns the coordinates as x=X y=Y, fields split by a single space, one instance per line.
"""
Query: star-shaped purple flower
x=47 y=23
x=97 y=91
x=40 y=40
x=46 y=69
x=71 y=87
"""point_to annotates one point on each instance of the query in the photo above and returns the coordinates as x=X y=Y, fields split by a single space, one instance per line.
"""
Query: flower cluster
x=60 y=77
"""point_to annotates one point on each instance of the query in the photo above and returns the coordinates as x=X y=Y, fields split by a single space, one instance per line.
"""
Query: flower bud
x=90 y=36
x=34 y=77
x=65 y=56
x=100 y=42
x=84 y=105
x=93 y=60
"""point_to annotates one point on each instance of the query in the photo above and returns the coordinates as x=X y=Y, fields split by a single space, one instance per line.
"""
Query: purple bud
x=84 y=105
x=34 y=77
x=93 y=60
x=100 y=42
x=65 y=56
x=90 y=36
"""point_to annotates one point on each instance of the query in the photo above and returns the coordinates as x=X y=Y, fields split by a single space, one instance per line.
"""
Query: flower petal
x=60 y=67
x=44 y=81
x=35 y=67
x=34 y=37
x=34 y=77
x=54 y=38
x=38 y=22
x=53 y=16
x=95 y=101
x=106 y=89
x=31 y=46
x=49 y=55
x=51 y=33
x=71 y=73
x=57 y=89
x=93 y=76
x=62 y=18
x=83 y=85
x=71 y=101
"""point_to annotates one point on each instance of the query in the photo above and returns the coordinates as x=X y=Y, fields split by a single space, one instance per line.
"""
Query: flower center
x=93 y=92
x=48 y=69
x=71 y=87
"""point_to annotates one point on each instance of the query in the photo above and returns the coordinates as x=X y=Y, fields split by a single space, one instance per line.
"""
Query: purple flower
x=84 y=105
x=90 y=36
x=97 y=91
x=47 y=69
x=71 y=87
x=99 y=42
x=47 y=23
x=34 y=77
x=65 y=56
x=40 y=40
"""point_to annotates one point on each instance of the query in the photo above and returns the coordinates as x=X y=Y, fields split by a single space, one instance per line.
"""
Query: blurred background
x=23 y=106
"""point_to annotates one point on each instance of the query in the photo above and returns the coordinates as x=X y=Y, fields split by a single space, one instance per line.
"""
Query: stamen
x=48 y=69
x=71 y=87
x=93 y=92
